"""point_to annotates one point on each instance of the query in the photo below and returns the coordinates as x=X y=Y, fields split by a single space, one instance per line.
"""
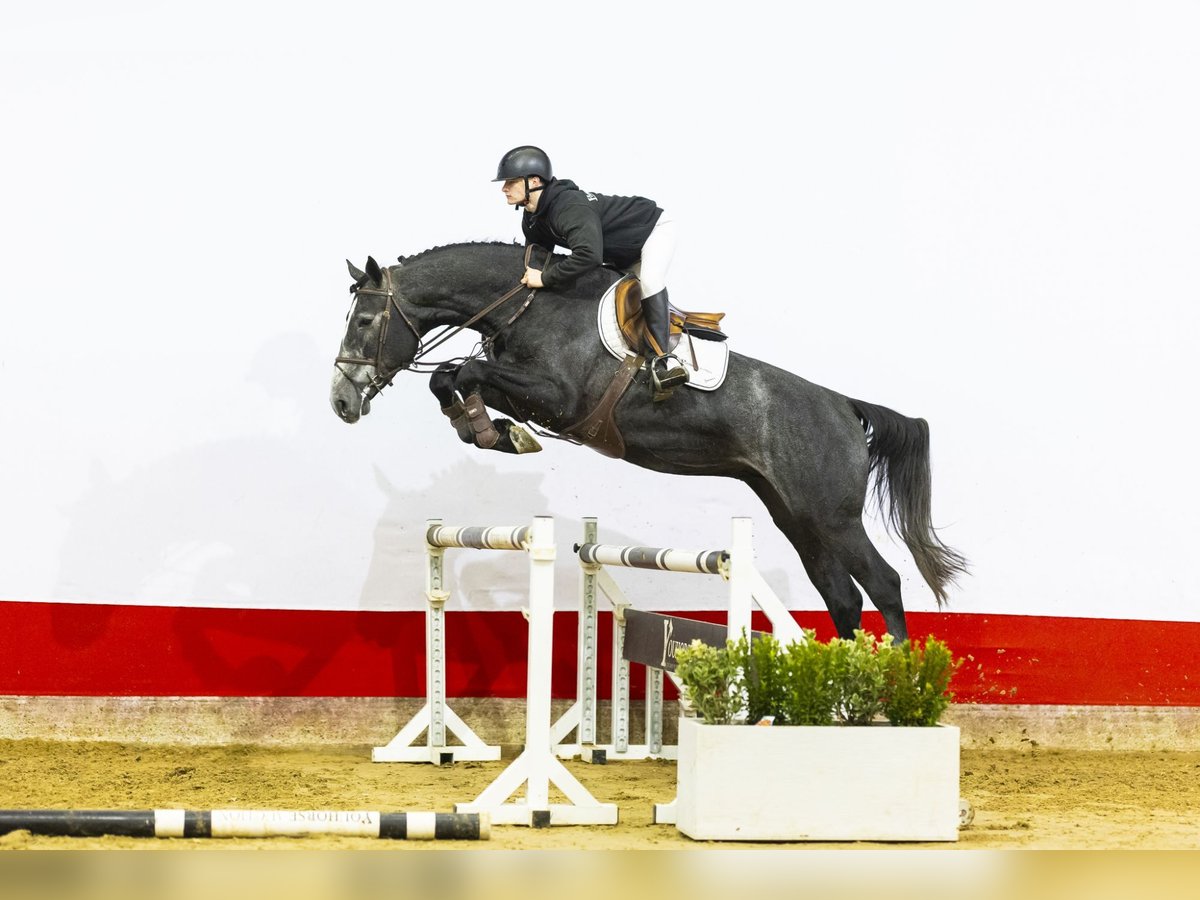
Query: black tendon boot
x=666 y=372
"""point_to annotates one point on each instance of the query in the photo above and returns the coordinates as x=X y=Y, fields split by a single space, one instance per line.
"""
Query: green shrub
x=810 y=683
x=810 y=692
x=710 y=676
x=859 y=678
x=916 y=680
x=764 y=679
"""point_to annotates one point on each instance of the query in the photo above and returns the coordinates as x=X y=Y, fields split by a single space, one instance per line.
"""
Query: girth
x=598 y=429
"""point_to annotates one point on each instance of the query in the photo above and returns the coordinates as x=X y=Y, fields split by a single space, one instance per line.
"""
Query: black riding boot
x=666 y=372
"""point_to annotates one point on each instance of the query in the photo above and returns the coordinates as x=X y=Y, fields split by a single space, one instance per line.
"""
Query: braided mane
x=410 y=259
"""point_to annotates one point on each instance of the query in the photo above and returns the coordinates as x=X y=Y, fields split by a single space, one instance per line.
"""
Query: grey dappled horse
x=806 y=451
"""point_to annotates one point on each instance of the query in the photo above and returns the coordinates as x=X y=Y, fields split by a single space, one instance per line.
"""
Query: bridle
x=382 y=377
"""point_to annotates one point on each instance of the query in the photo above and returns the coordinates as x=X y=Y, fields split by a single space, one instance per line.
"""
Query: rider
x=629 y=233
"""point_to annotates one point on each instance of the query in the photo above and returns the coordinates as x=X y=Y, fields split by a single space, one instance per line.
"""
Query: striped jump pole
x=736 y=565
x=477 y=537
x=704 y=562
x=733 y=564
x=246 y=823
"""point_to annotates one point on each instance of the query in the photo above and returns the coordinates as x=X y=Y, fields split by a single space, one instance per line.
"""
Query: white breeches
x=651 y=269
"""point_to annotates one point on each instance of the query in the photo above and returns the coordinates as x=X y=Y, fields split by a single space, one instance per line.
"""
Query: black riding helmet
x=525 y=162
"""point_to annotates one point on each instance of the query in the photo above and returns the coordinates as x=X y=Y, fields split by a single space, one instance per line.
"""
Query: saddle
x=706 y=326
x=598 y=429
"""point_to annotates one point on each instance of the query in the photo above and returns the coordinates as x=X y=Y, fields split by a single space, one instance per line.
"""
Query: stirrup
x=664 y=385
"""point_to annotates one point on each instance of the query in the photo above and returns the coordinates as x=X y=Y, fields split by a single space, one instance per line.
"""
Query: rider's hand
x=532 y=278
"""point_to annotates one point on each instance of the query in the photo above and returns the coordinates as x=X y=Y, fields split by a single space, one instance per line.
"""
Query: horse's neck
x=458 y=292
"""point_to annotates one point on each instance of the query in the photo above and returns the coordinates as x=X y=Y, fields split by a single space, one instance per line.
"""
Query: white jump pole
x=537 y=767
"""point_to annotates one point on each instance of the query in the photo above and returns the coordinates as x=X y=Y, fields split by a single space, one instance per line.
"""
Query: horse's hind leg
x=855 y=552
x=441 y=383
x=841 y=595
x=825 y=570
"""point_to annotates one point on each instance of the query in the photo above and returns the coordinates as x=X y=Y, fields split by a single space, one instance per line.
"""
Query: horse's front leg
x=441 y=383
x=501 y=384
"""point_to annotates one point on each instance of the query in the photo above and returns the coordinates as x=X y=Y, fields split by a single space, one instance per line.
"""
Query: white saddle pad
x=705 y=361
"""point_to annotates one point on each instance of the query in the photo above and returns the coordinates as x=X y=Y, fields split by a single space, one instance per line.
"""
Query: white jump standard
x=595 y=582
x=436 y=717
x=537 y=768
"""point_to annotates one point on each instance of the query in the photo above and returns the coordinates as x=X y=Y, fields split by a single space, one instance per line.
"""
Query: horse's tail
x=898 y=454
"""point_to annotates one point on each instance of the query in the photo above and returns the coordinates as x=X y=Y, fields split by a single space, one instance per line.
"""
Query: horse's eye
x=364 y=320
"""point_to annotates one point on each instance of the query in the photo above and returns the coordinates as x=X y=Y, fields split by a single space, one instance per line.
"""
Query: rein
x=383 y=378
x=447 y=335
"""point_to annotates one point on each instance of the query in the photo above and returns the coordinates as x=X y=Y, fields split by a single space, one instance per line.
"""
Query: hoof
x=522 y=440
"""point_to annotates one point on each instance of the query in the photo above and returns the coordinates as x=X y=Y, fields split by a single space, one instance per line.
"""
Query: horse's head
x=381 y=341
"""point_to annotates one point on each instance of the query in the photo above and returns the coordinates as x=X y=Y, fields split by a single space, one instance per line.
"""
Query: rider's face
x=514 y=189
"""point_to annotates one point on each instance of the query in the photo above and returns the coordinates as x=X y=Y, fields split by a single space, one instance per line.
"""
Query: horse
x=811 y=455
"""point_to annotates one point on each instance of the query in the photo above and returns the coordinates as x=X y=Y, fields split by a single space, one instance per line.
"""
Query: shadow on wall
x=276 y=519
x=283 y=519
x=468 y=492
x=254 y=520
x=465 y=493
x=304 y=517
x=472 y=492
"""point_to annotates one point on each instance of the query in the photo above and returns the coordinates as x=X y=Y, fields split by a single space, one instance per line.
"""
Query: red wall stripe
x=115 y=650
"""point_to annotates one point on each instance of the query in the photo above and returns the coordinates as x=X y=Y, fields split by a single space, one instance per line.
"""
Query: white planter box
x=840 y=783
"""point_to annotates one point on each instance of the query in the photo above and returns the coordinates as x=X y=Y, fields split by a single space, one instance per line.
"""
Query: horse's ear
x=373 y=271
x=357 y=274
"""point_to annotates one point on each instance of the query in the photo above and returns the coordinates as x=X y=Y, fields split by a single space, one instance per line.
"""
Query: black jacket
x=597 y=228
